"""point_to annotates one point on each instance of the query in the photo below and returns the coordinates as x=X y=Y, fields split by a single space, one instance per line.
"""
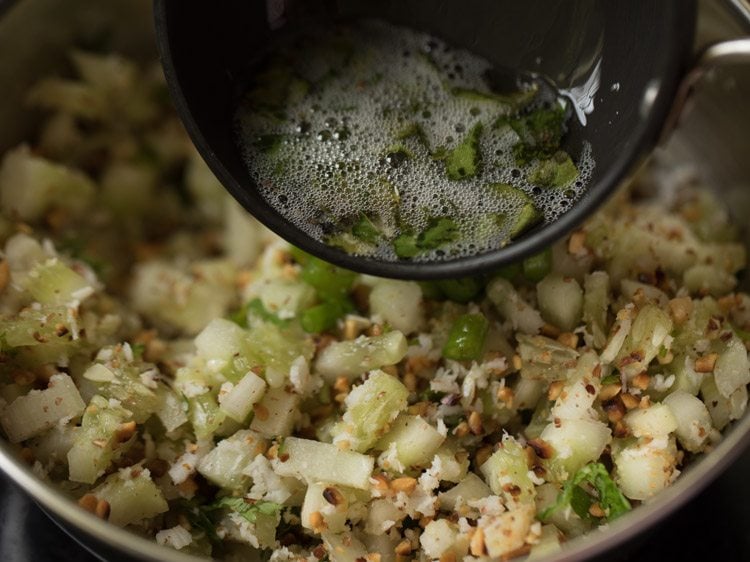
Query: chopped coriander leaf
x=611 y=379
x=463 y=161
x=514 y=101
x=536 y=267
x=415 y=131
x=255 y=309
x=466 y=338
x=541 y=132
x=405 y=245
x=365 y=230
x=607 y=494
x=557 y=171
x=439 y=231
x=249 y=511
x=268 y=144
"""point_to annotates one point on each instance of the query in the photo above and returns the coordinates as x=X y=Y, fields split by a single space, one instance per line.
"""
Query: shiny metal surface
x=713 y=138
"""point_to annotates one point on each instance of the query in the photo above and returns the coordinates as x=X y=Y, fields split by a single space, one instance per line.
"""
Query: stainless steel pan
x=34 y=37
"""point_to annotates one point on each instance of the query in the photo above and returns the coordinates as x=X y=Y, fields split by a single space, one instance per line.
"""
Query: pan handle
x=715 y=56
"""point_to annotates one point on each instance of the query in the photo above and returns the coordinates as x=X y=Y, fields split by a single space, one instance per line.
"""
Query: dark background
x=715 y=526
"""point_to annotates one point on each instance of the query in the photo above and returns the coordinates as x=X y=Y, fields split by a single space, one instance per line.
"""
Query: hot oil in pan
x=387 y=142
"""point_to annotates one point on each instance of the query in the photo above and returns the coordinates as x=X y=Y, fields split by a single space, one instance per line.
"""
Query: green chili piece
x=460 y=290
x=466 y=338
x=538 y=266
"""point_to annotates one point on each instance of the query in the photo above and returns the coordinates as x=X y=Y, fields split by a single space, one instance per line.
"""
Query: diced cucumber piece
x=693 y=420
x=314 y=461
x=352 y=358
x=560 y=301
x=286 y=299
x=543 y=358
x=648 y=333
x=205 y=415
x=225 y=463
x=576 y=443
x=40 y=410
x=96 y=444
x=344 y=547
x=645 y=468
x=132 y=496
x=439 y=538
x=512 y=307
x=125 y=383
x=331 y=502
x=205 y=291
x=382 y=515
x=732 y=369
x=370 y=408
x=596 y=305
x=549 y=543
x=276 y=349
x=416 y=441
x=507 y=472
x=53 y=282
x=398 y=303
x=47 y=327
x=655 y=421
x=723 y=410
x=238 y=402
x=31 y=185
x=470 y=488
x=172 y=409
x=453 y=465
x=221 y=339
x=276 y=413
x=578 y=395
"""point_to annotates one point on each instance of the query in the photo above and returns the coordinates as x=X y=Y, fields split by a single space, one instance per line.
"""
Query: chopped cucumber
x=415 y=440
x=314 y=461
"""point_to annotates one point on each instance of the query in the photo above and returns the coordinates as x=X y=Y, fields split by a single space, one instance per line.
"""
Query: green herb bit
x=413 y=131
x=605 y=492
x=405 y=245
x=268 y=144
x=463 y=162
x=323 y=317
x=466 y=338
x=255 y=308
x=249 y=511
x=611 y=379
x=365 y=230
x=439 y=231
x=507 y=102
x=538 y=266
x=460 y=290
x=541 y=133
x=558 y=171
x=527 y=217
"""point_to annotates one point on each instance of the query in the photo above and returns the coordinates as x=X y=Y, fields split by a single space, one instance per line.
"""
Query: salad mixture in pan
x=181 y=372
